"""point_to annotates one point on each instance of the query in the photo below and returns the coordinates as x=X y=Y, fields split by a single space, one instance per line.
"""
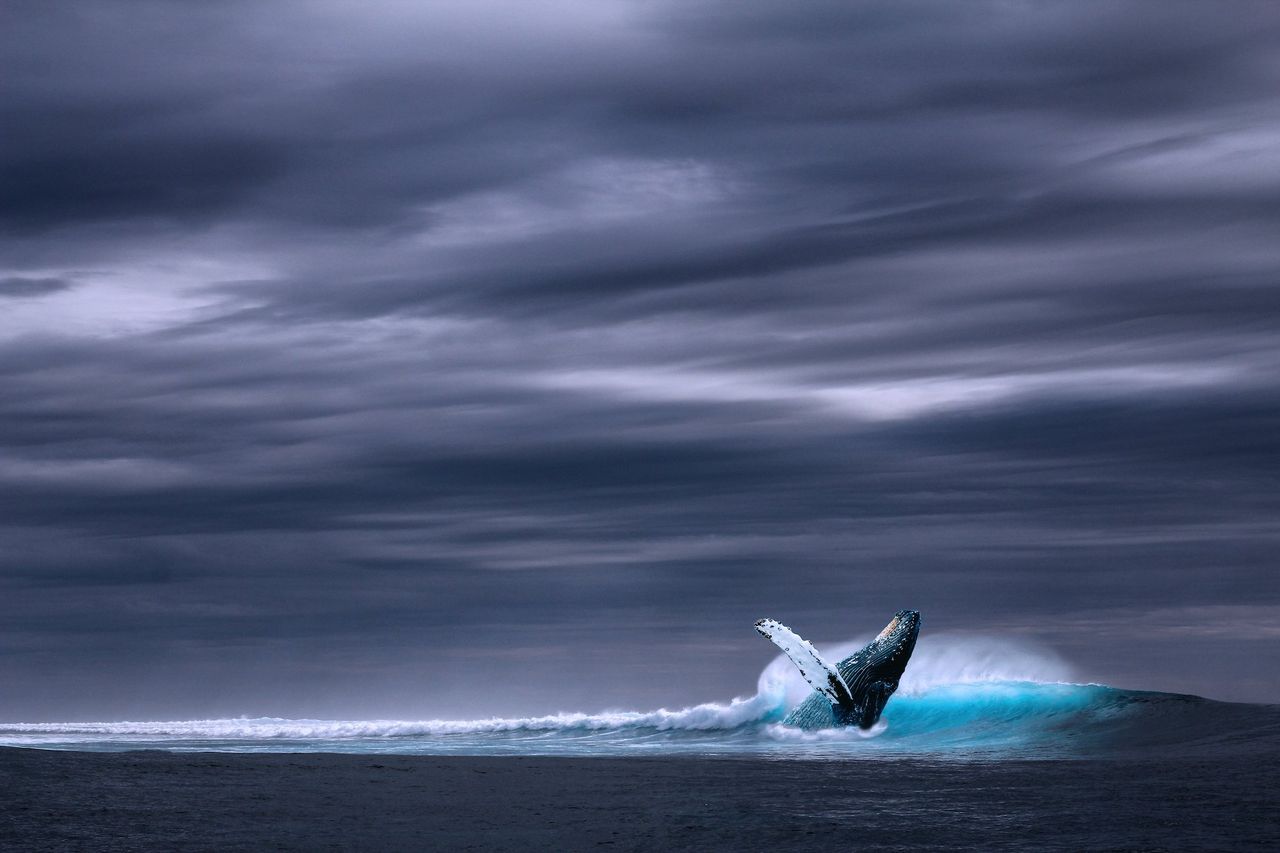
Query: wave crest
x=709 y=716
x=938 y=660
x=961 y=696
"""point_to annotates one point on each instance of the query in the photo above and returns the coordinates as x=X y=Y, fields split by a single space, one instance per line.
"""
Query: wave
x=706 y=717
x=974 y=718
x=962 y=696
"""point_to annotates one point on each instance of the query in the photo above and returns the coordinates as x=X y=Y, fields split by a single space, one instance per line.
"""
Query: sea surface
x=987 y=746
x=962 y=698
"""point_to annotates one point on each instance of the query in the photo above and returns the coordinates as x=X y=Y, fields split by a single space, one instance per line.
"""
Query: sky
x=430 y=359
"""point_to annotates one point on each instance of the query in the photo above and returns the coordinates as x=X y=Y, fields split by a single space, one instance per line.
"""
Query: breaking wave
x=706 y=717
x=961 y=696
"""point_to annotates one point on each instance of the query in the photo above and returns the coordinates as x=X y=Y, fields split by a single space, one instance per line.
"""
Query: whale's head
x=889 y=652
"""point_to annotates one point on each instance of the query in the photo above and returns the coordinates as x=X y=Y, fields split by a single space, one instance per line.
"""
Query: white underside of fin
x=824 y=677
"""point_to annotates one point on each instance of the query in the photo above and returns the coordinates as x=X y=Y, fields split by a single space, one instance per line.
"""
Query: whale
x=855 y=690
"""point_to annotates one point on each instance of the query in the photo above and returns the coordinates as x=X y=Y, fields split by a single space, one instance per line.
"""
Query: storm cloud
x=495 y=357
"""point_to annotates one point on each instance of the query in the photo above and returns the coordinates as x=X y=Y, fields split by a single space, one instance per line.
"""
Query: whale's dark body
x=870 y=675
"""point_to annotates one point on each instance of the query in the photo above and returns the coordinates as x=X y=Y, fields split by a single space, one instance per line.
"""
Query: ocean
x=987 y=746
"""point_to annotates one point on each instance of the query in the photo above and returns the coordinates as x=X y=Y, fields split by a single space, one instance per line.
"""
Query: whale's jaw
x=873 y=672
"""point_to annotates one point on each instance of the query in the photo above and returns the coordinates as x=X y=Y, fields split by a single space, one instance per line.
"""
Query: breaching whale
x=854 y=691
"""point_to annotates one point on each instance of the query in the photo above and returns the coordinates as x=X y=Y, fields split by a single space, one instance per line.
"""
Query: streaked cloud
x=363 y=340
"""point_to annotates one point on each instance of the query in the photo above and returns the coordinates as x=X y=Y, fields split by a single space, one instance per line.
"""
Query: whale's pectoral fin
x=824 y=677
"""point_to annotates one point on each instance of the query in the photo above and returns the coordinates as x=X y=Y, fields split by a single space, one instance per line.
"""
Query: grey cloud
x=392 y=338
x=25 y=286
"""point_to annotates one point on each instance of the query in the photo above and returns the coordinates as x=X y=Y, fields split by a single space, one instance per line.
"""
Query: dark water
x=201 y=801
x=983 y=766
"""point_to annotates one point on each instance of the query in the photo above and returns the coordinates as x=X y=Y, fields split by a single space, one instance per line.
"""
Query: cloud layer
x=342 y=346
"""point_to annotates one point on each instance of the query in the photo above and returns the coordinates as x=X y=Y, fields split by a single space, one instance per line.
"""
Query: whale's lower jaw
x=816 y=712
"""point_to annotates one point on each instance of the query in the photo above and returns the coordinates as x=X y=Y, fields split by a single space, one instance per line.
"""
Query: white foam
x=939 y=660
x=791 y=734
x=705 y=717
